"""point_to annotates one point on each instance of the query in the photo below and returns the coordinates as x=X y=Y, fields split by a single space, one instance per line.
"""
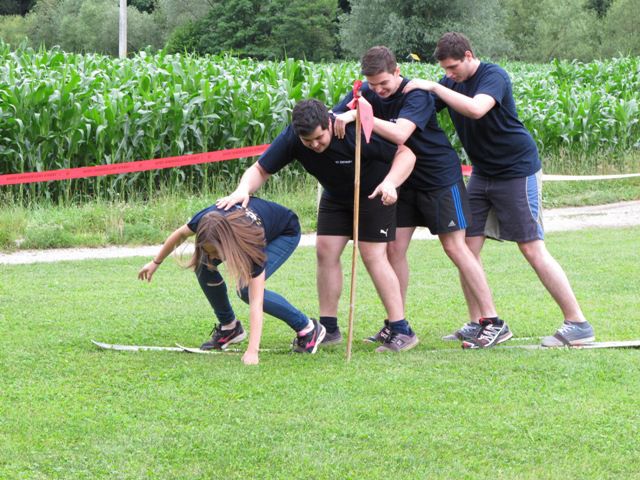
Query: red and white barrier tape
x=130 y=167
x=569 y=178
x=209 y=157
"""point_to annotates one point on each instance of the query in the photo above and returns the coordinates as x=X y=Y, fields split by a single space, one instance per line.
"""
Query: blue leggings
x=215 y=288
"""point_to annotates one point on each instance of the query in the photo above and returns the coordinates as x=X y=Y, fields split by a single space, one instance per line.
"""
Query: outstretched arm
x=256 y=305
x=401 y=168
x=252 y=179
x=473 y=107
x=397 y=132
x=169 y=245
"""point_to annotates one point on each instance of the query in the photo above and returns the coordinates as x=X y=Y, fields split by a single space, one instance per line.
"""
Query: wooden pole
x=356 y=221
x=122 y=38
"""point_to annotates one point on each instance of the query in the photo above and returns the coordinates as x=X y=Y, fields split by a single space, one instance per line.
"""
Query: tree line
x=327 y=30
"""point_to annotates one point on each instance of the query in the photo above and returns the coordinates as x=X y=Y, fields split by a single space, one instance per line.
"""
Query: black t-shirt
x=335 y=167
x=498 y=144
x=275 y=220
x=437 y=163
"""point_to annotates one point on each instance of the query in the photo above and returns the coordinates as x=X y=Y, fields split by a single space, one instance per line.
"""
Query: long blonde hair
x=238 y=241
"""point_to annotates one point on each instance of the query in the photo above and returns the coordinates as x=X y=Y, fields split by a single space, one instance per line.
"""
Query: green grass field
x=71 y=411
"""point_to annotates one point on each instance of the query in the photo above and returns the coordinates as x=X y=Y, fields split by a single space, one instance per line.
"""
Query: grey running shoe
x=468 y=331
x=570 y=334
x=221 y=339
x=381 y=336
x=309 y=343
x=398 y=342
x=491 y=335
x=331 y=339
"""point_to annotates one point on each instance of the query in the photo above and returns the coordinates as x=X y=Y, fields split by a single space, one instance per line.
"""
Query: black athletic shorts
x=377 y=222
x=442 y=211
x=507 y=209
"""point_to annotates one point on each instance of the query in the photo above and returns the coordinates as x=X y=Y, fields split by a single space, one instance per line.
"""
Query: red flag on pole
x=366 y=111
x=362 y=107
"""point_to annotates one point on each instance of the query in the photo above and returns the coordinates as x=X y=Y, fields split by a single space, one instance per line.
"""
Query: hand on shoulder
x=418 y=84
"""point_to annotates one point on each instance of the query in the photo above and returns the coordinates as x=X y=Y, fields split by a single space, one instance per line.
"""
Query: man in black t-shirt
x=505 y=189
x=310 y=141
x=434 y=196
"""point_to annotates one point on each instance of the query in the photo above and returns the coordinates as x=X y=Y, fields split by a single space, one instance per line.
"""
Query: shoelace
x=489 y=332
x=566 y=328
x=391 y=337
x=215 y=327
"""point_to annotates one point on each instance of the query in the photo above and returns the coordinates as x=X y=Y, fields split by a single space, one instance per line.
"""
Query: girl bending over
x=253 y=242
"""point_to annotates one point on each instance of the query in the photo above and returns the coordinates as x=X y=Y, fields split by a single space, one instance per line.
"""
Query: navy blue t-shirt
x=498 y=144
x=437 y=163
x=275 y=219
x=335 y=167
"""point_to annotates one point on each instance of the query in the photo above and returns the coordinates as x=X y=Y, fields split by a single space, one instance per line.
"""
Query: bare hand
x=250 y=358
x=341 y=121
x=387 y=192
x=427 y=85
x=234 y=198
x=147 y=271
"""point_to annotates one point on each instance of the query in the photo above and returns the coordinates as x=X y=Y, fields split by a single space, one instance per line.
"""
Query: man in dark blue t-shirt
x=434 y=195
x=310 y=140
x=505 y=189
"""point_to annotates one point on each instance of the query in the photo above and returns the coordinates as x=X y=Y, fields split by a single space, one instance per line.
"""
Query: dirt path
x=623 y=214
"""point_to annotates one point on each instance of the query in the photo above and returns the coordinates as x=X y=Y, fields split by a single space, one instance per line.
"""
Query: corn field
x=61 y=110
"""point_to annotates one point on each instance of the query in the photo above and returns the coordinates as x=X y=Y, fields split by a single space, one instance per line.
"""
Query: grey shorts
x=377 y=222
x=506 y=209
x=442 y=211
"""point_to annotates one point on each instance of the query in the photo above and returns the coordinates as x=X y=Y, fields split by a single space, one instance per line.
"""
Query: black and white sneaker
x=492 y=334
x=221 y=339
x=381 y=336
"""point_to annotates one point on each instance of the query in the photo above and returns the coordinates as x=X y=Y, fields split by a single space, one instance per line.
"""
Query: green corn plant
x=60 y=110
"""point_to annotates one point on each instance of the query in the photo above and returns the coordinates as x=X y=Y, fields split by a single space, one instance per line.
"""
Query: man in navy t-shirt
x=434 y=196
x=310 y=141
x=505 y=189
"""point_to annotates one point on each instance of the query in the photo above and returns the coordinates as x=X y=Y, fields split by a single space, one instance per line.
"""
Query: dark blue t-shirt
x=437 y=163
x=498 y=144
x=335 y=167
x=275 y=219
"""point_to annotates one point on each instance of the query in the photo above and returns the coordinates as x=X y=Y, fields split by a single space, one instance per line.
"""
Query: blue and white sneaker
x=570 y=333
x=468 y=331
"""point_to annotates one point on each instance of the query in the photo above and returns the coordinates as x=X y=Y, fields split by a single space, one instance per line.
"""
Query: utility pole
x=122 y=50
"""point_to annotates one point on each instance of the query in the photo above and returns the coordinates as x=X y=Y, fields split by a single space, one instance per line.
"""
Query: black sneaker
x=221 y=339
x=309 y=343
x=331 y=338
x=491 y=334
x=381 y=336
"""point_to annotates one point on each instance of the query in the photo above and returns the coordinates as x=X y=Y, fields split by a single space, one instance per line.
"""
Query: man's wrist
x=390 y=182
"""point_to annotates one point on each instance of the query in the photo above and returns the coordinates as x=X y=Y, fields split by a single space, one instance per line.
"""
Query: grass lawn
x=71 y=411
